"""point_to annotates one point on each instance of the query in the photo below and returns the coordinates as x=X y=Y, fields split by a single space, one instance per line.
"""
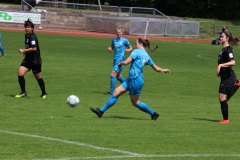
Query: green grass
x=187 y=99
x=209 y=28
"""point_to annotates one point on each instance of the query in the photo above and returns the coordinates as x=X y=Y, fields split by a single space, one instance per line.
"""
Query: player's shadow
x=206 y=119
x=13 y=95
x=10 y=95
x=126 y=118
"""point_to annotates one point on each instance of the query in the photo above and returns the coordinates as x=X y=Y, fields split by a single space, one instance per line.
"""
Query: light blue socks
x=110 y=102
x=144 y=107
x=112 y=84
x=121 y=79
x=2 y=50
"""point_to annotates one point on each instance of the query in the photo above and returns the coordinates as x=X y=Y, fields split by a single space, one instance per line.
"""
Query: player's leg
x=38 y=76
x=113 y=81
x=135 y=89
x=120 y=78
x=21 y=72
x=2 y=50
x=115 y=74
x=111 y=101
x=224 y=107
x=224 y=90
x=234 y=89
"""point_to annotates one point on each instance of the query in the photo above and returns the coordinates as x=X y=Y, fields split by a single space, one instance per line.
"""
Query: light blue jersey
x=119 y=47
x=140 y=59
x=1 y=47
x=135 y=80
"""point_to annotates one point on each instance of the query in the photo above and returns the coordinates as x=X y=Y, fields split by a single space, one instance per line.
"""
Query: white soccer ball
x=40 y=27
x=73 y=101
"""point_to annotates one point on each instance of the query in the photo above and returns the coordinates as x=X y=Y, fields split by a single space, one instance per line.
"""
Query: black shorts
x=227 y=84
x=35 y=67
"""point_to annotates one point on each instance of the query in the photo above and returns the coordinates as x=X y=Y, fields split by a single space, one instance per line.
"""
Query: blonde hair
x=120 y=28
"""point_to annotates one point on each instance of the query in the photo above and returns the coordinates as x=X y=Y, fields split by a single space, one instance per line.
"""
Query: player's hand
x=119 y=65
x=109 y=49
x=218 y=70
x=166 y=71
x=21 y=50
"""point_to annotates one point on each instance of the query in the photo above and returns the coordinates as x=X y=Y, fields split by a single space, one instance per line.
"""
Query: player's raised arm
x=158 y=69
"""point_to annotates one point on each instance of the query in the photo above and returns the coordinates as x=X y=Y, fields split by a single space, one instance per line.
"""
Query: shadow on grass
x=206 y=119
x=126 y=118
x=13 y=95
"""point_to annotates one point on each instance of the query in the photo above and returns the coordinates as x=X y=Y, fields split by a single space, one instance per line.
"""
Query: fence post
x=119 y=12
x=214 y=27
x=130 y=12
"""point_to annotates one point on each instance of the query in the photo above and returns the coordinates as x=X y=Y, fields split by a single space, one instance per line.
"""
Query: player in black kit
x=32 y=60
x=224 y=70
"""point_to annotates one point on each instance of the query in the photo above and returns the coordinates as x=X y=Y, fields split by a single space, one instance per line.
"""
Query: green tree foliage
x=220 y=9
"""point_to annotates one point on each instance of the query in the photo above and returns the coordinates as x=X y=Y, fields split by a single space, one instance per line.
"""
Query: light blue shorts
x=134 y=85
x=115 y=65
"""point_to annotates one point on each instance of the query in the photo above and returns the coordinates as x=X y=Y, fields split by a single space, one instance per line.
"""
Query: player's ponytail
x=149 y=46
x=146 y=43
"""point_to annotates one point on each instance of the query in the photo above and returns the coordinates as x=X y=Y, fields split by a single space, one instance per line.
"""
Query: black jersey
x=226 y=55
x=31 y=41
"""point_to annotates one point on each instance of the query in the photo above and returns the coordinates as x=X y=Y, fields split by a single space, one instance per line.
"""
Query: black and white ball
x=73 y=101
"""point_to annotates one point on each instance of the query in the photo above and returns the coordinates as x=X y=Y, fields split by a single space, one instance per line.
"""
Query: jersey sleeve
x=133 y=55
x=150 y=62
x=230 y=54
x=127 y=43
x=33 y=41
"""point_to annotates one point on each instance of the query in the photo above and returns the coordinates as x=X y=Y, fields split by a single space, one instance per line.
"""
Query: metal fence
x=137 y=26
x=106 y=18
x=114 y=11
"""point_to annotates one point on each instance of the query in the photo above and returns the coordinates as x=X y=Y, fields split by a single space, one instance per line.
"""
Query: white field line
x=72 y=142
x=150 y=156
x=129 y=154
x=202 y=56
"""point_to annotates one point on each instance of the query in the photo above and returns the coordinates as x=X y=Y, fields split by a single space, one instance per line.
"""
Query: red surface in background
x=97 y=34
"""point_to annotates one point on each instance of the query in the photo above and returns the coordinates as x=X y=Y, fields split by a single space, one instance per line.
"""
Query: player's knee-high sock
x=110 y=102
x=144 y=107
x=41 y=85
x=121 y=79
x=21 y=82
x=112 y=84
x=2 y=50
x=224 y=108
x=233 y=91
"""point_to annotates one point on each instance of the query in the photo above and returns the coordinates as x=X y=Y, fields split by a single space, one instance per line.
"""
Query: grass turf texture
x=187 y=100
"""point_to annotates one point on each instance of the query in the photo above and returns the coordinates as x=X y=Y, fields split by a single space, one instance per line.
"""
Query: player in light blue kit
x=120 y=45
x=1 y=47
x=135 y=81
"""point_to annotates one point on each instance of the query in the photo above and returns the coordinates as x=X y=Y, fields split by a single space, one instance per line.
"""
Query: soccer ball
x=73 y=101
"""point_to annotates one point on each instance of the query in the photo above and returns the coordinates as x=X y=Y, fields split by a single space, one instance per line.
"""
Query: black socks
x=224 y=108
x=21 y=82
x=41 y=85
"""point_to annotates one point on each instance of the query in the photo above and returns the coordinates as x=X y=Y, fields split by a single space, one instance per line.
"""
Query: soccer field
x=187 y=100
